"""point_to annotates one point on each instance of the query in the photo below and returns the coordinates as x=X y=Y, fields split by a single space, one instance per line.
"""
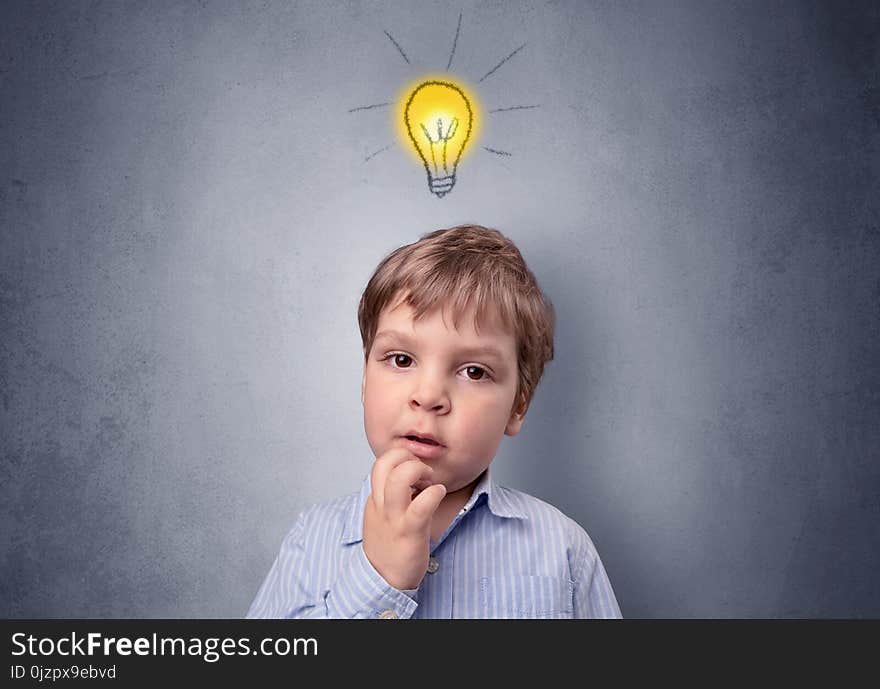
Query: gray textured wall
x=188 y=220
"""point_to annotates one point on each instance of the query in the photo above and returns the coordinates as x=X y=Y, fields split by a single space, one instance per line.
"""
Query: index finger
x=382 y=467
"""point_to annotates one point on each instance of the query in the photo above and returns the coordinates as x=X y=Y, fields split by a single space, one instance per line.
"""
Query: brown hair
x=466 y=266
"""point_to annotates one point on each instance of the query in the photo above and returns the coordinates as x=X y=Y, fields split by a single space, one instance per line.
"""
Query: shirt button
x=433 y=565
x=388 y=615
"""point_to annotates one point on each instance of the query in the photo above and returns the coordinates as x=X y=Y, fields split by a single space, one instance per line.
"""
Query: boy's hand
x=396 y=523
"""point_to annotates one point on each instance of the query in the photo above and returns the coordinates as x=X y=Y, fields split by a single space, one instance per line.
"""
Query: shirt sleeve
x=593 y=595
x=358 y=591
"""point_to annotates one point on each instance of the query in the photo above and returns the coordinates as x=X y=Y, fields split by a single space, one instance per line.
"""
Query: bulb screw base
x=441 y=185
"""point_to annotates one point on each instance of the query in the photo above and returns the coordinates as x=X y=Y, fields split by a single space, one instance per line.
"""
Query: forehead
x=399 y=320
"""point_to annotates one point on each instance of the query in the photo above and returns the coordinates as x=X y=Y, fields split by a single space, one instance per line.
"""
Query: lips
x=423 y=445
x=425 y=438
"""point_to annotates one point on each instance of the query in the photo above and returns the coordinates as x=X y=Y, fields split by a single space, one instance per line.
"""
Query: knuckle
x=391 y=457
x=380 y=463
x=407 y=472
x=402 y=468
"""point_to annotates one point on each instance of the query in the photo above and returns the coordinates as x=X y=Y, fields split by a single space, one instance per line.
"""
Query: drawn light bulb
x=439 y=120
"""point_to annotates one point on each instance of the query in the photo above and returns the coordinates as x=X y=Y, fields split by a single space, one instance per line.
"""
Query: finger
x=398 y=487
x=382 y=467
x=425 y=504
x=420 y=485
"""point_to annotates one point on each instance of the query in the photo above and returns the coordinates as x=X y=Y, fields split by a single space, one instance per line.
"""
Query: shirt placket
x=438 y=580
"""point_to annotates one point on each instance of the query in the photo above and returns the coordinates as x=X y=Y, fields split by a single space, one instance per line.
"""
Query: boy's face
x=426 y=378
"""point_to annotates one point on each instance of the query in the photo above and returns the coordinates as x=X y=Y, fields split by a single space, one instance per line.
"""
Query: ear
x=517 y=416
x=364 y=384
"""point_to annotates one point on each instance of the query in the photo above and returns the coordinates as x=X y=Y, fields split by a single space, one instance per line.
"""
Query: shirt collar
x=497 y=498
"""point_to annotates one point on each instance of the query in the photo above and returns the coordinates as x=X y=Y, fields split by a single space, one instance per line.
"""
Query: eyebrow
x=484 y=350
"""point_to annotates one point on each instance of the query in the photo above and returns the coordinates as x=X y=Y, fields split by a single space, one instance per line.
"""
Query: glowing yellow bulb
x=439 y=121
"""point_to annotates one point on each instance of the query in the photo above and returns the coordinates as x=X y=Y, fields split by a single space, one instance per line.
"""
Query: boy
x=455 y=333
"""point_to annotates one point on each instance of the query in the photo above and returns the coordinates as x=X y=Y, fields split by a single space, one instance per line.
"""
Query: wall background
x=188 y=219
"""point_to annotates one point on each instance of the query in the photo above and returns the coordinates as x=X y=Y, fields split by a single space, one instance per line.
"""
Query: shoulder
x=535 y=509
x=329 y=510
x=551 y=524
x=324 y=520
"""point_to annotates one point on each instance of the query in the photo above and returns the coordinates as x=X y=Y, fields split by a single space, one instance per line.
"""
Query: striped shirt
x=505 y=555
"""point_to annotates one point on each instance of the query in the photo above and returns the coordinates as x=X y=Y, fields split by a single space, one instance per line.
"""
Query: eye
x=475 y=373
x=399 y=360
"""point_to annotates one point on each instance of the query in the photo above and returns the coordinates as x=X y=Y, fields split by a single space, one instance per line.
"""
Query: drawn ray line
x=492 y=71
x=454 y=43
x=515 y=107
x=500 y=153
x=375 y=153
x=369 y=107
x=397 y=45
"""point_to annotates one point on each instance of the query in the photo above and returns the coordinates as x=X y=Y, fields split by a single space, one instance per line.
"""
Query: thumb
x=427 y=502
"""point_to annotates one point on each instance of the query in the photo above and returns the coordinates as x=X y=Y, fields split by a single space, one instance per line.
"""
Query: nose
x=430 y=394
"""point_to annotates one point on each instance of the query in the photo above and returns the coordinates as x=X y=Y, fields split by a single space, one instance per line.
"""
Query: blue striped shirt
x=505 y=555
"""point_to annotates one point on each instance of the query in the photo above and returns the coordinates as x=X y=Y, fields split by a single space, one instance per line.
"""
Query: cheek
x=486 y=418
x=375 y=419
x=378 y=399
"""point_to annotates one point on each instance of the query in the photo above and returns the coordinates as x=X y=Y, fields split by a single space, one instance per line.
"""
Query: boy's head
x=428 y=317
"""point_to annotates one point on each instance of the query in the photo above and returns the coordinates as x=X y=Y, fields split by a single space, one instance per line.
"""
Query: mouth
x=425 y=446
x=422 y=439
